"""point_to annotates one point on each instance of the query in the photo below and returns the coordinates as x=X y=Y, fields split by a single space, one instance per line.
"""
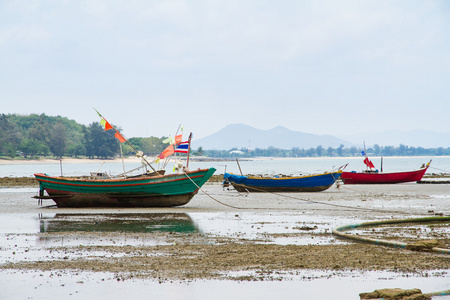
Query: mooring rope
x=210 y=195
x=337 y=231
x=439 y=169
x=297 y=198
x=329 y=204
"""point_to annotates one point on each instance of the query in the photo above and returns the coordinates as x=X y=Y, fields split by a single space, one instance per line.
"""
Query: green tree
x=76 y=149
x=319 y=150
x=32 y=147
x=377 y=150
x=311 y=152
x=330 y=151
x=340 y=150
x=100 y=143
x=199 y=151
x=58 y=140
x=9 y=137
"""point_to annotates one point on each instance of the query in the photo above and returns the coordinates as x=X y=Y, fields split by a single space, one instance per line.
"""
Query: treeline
x=35 y=136
x=320 y=151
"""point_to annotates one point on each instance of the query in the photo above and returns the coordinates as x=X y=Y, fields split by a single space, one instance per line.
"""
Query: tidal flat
x=238 y=245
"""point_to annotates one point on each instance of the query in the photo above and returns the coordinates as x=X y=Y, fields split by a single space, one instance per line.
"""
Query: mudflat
x=258 y=237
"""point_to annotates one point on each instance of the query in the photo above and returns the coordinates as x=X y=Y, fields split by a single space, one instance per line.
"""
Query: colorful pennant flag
x=167 y=152
x=108 y=126
x=120 y=137
x=178 y=138
x=169 y=140
x=105 y=124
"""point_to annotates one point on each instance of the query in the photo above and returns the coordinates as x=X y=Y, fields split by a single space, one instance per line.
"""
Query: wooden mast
x=189 y=150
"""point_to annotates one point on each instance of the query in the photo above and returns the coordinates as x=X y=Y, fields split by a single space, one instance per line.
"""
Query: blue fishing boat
x=308 y=183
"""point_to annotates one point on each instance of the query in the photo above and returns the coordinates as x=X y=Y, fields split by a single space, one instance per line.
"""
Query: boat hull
x=382 y=178
x=311 y=183
x=144 y=191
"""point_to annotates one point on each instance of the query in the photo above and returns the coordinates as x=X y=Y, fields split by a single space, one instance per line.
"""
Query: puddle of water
x=29 y=237
x=281 y=229
x=126 y=223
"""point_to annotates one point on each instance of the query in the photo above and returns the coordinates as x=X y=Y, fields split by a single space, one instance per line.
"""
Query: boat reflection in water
x=115 y=228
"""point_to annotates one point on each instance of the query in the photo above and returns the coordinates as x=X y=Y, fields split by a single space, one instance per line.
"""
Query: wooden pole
x=121 y=155
x=189 y=151
x=127 y=142
x=239 y=167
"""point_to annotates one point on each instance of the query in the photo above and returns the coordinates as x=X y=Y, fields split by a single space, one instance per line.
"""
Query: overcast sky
x=323 y=67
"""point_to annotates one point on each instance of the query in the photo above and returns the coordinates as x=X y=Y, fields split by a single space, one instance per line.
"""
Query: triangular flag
x=168 y=151
x=369 y=163
x=169 y=140
x=120 y=137
x=107 y=125
x=178 y=138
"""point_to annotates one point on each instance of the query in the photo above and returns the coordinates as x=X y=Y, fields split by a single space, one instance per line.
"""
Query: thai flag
x=182 y=147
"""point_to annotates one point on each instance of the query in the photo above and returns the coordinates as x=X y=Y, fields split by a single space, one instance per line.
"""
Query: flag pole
x=137 y=152
x=365 y=154
x=189 y=151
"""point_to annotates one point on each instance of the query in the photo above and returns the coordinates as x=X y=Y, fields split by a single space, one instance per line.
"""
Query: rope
x=439 y=169
x=337 y=231
x=329 y=204
x=296 y=198
x=210 y=195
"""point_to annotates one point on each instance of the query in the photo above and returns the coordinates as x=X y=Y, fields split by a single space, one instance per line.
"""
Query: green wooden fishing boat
x=150 y=189
x=146 y=190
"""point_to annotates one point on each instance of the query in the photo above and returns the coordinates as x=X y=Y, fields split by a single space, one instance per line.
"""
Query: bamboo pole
x=137 y=152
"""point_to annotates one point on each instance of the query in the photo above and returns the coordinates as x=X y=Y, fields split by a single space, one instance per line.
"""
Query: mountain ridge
x=240 y=135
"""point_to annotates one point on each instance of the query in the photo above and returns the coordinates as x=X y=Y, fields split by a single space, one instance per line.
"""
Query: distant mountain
x=244 y=136
x=414 y=138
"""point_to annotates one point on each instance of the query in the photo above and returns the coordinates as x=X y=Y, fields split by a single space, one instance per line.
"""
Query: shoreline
x=72 y=160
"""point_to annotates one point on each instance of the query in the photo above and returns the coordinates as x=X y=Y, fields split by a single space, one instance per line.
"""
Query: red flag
x=168 y=151
x=107 y=126
x=178 y=138
x=369 y=163
x=120 y=137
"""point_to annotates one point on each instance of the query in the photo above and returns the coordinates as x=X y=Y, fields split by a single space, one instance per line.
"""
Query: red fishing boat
x=373 y=176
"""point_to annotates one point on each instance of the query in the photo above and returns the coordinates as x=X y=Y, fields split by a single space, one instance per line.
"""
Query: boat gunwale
x=286 y=178
x=386 y=173
x=111 y=180
x=125 y=182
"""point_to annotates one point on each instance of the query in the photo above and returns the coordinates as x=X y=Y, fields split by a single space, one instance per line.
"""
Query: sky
x=324 y=67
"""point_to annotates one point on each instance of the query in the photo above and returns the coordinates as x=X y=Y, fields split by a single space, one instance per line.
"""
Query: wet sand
x=238 y=237
x=195 y=255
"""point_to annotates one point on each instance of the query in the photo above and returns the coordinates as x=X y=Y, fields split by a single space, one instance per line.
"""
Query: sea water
x=271 y=166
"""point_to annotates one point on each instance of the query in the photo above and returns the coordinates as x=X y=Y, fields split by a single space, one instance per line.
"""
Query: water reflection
x=118 y=223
